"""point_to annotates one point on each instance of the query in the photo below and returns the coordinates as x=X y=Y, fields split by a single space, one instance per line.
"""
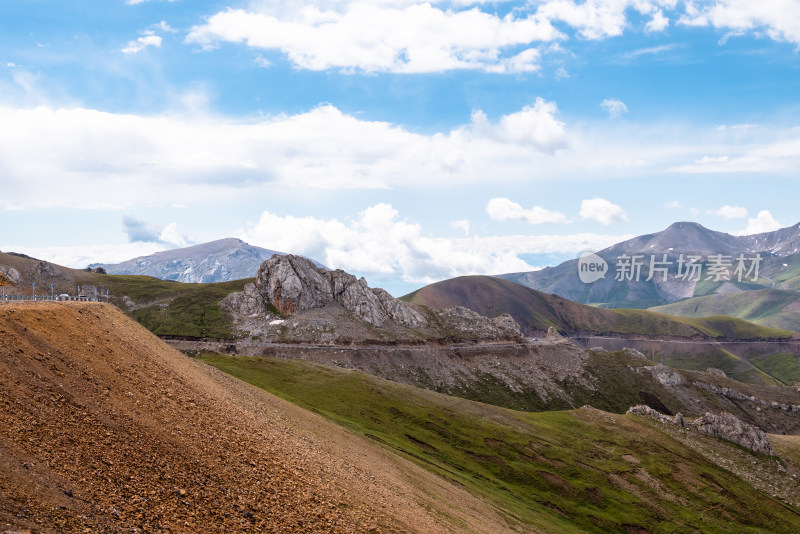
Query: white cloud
x=134 y=47
x=63 y=157
x=731 y=212
x=139 y=231
x=170 y=236
x=461 y=224
x=379 y=243
x=412 y=36
x=415 y=36
x=725 y=164
x=72 y=152
x=615 y=108
x=779 y=19
x=534 y=126
x=408 y=37
x=648 y=51
x=602 y=211
x=594 y=19
x=763 y=222
x=503 y=209
x=658 y=23
x=673 y=204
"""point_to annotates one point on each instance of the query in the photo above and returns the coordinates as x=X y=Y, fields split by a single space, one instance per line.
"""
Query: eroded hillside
x=104 y=428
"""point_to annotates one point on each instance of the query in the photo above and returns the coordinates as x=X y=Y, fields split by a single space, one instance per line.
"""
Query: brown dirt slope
x=104 y=428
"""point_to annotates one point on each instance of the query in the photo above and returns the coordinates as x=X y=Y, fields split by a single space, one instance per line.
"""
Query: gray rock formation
x=729 y=427
x=724 y=426
x=10 y=273
x=665 y=375
x=713 y=371
x=647 y=411
x=463 y=323
x=249 y=302
x=293 y=283
x=553 y=335
x=47 y=269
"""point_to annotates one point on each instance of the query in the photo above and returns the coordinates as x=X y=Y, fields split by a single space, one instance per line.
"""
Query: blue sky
x=404 y=141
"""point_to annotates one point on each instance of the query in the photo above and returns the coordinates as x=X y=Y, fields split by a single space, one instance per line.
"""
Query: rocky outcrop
x=464 y=324
x=553 y=335
x=665 y=375
x=10 y=274
x=647 y=411
x=724 y=426
x=292 y=284
x=713 y=371
x=249 y=302
x=46 y=269
x=729 y=427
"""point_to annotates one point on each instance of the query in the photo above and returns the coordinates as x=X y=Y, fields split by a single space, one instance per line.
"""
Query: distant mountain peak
x=221 y=260
x=680 y=238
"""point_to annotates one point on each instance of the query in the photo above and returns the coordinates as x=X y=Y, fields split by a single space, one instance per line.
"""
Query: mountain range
x=217 y=261
x=768 y=260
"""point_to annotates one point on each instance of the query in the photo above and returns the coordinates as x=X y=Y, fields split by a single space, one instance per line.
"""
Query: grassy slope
x=558 y=471
x=534 y=310
x=768 y=307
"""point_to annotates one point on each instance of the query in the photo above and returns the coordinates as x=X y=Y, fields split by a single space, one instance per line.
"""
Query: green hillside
x=535 y=311
x=767 y=307
x=576 y=471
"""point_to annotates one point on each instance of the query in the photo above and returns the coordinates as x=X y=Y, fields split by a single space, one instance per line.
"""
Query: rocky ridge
x=294 y=300
x=292 y=284
x=724 y=426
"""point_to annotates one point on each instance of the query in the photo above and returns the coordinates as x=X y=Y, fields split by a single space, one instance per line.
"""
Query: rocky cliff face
x=724 y=426
x=295 y=301
x=292 y=283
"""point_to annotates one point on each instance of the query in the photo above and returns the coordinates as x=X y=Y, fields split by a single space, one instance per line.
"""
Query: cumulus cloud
x=778 y=19
x=658 y=23
x=503 y=209
x=379 y=242
x=150 y=39
x=384 y=37
x=68 y=152
x=61 y=157
x=731 y=212
x=763 y=222
x=139 y=231
x=602 y=211
x=615 y=108
x=411 y=36
x=535 y=126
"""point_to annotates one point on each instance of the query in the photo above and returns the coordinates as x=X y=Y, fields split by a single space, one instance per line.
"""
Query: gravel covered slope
x=104 y=428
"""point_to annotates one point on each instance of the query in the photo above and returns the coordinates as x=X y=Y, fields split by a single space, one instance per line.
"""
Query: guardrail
x=44 y=298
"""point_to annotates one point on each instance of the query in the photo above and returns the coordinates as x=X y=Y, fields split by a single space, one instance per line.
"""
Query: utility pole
x=33 y=290
x=52 y=295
